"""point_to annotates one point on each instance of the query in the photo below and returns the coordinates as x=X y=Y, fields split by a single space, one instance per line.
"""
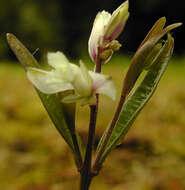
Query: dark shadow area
x=66 y=25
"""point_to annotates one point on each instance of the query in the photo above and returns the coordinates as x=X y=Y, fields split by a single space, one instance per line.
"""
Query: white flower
x=106 y=29
x=67 y=76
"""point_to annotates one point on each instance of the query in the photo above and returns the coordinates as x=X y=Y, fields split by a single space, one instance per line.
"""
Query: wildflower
x=106 y=29
x=67 y=76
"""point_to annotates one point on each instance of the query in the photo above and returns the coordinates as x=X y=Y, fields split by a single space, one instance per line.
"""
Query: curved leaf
x=157 y=28
x=138 y=61
x=135 y=103
x=62 y=115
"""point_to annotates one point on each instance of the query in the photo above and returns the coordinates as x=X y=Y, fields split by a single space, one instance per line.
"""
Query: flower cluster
x=84 y=84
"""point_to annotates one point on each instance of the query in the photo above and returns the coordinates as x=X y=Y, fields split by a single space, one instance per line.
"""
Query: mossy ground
x=33 y=156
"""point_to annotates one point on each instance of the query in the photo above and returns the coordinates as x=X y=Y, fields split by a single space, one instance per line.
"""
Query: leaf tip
x=179 y=24
x=163 y=19
x=9 y=37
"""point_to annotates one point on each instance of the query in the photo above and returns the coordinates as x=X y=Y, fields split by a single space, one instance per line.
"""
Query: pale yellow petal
x=83 y=82
x=47 y=82
x=56 y=59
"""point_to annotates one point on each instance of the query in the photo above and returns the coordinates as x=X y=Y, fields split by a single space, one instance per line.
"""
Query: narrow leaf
x=157 y=27
x=21 y=52
x=138 y=99
x=62 y=117
x=56 y=112
x=138 y=62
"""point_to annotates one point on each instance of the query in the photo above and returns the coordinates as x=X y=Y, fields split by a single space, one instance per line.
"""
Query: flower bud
x=106 y=29
x=114 y=45
x=106 y=55
x=117 y=22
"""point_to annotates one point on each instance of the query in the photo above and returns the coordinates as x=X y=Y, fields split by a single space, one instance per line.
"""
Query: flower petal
x=47 y=82
x=63 y=68
x=102 y=84
x=117 y=22
x=108 y=89
x=101 y=20
x=85 y=73
x=83 y=82
x=56 y=59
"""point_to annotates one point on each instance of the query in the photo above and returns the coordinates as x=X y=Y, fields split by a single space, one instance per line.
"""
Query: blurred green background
x=32 y=154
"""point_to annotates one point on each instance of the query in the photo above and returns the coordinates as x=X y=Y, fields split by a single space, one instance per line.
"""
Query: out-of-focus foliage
x=37 y=23
x=66 y=25
x=33 y=156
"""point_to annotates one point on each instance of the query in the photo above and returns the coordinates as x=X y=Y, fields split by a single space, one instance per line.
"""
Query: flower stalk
x=86 y=172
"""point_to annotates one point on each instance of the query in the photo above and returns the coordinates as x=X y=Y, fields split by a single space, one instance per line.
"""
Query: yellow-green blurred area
x=33 y=156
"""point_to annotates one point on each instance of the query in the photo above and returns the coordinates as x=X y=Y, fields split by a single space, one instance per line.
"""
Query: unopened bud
x=106 y=29
x=117 y=21
x=106 y=55
x=114 y=45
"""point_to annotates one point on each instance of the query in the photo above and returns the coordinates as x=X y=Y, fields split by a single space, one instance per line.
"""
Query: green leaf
x=55 y=110
x=135 y=103
x=21 y=52
x=62 y=115
x=138 y=62
x=156 y=29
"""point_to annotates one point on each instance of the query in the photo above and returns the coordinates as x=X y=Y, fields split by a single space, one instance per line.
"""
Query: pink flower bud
x=107 y=28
